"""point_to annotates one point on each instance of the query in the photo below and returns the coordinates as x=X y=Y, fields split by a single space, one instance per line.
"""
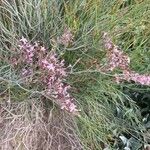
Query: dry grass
x=29 y=126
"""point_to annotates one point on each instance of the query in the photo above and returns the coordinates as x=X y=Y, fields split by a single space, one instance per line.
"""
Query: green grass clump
x=107 y=109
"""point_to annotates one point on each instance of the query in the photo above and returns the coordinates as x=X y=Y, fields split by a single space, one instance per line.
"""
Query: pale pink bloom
x=66 y=38
x=27 y=50
x=26 y=72
x=53 y=71
x=45 y=62
x=72 y=107
x=142 y=79
x=65 y=90
x=43 y=49
x=50 y=67
x=133 y=76
x=14 y=61
x=36 y=44
x=23 y=40
x=117 y=59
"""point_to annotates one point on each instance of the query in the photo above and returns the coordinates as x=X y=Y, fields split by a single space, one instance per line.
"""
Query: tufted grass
x=107 y=111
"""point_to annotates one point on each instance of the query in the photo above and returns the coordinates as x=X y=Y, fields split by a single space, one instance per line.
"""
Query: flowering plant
x=118 y=59
x=51 y=72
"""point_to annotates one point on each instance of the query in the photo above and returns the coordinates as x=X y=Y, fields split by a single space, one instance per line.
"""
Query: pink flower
x=142 y=79
x=72 y=107
x=23 y=40
x=65 y=38
x=26 y=72
x=27 y=50
x=42 y=48
x=117 y=59
x=45 y=64
x=51 y=70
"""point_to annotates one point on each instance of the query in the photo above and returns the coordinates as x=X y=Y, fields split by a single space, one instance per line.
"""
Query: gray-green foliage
x=106 y=112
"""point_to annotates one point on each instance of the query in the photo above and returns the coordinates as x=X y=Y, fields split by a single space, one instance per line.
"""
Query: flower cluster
x=27 y=50
x=56 y=73
x=52 y=73
x=133 y=76
x=66 y=38
x=117 y=59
